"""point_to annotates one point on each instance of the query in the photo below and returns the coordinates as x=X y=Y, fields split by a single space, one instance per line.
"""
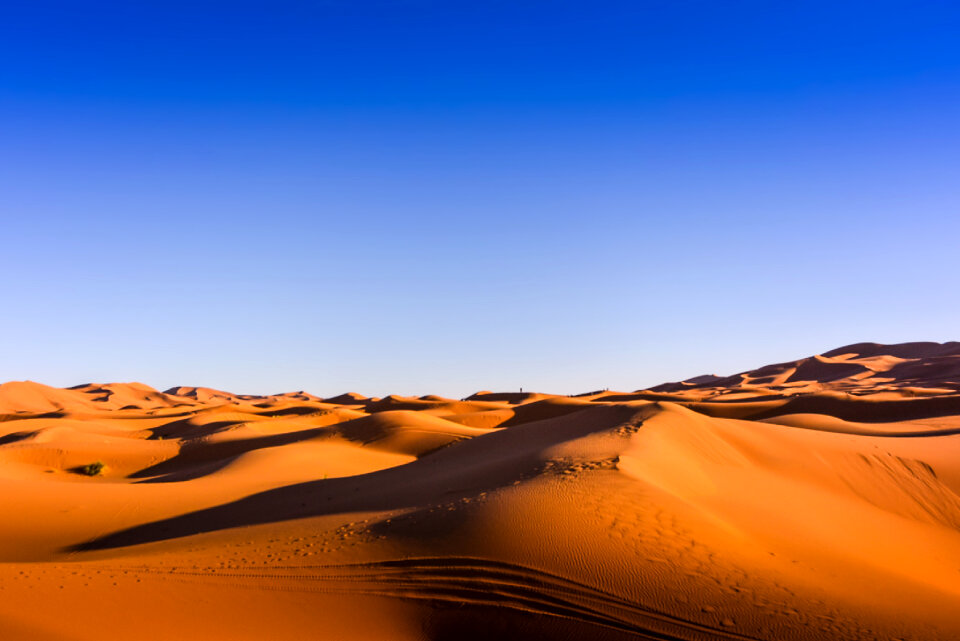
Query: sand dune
x=815 y=499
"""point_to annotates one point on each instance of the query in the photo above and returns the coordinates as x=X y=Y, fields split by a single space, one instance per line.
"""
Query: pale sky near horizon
x=429 y=197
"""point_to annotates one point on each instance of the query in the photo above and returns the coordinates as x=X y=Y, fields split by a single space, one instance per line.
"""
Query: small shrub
x=93 y=469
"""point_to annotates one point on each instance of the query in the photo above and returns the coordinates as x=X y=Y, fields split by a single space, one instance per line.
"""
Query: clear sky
x=437 y=197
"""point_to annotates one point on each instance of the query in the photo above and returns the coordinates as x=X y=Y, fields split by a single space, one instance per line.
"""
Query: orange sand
x=816 y=499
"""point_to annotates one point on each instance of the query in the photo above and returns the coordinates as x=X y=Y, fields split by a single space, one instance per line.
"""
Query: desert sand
x=815 y=499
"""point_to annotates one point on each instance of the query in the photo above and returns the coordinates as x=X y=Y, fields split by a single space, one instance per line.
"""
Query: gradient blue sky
x=438 y=197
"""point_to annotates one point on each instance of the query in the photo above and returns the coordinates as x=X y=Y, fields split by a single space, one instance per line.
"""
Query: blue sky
x=436 y=197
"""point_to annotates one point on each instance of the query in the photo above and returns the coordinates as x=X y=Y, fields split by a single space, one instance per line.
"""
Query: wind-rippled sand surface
x=815 y=499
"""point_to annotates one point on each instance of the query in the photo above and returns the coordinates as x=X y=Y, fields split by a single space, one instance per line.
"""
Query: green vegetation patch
x=93 y=469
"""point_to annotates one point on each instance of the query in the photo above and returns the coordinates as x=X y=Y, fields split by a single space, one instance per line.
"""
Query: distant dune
x=814 y=499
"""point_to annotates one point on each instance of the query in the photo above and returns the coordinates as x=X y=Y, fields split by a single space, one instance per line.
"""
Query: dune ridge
x=811 y=499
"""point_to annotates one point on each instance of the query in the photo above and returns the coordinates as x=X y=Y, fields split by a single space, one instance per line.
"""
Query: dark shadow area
x=190 y=473
x=16 y=437
x=20 y=416
x=296 y=410
x=847 y=409
x=542 y=410
x=185 y=429
x=901 y=350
